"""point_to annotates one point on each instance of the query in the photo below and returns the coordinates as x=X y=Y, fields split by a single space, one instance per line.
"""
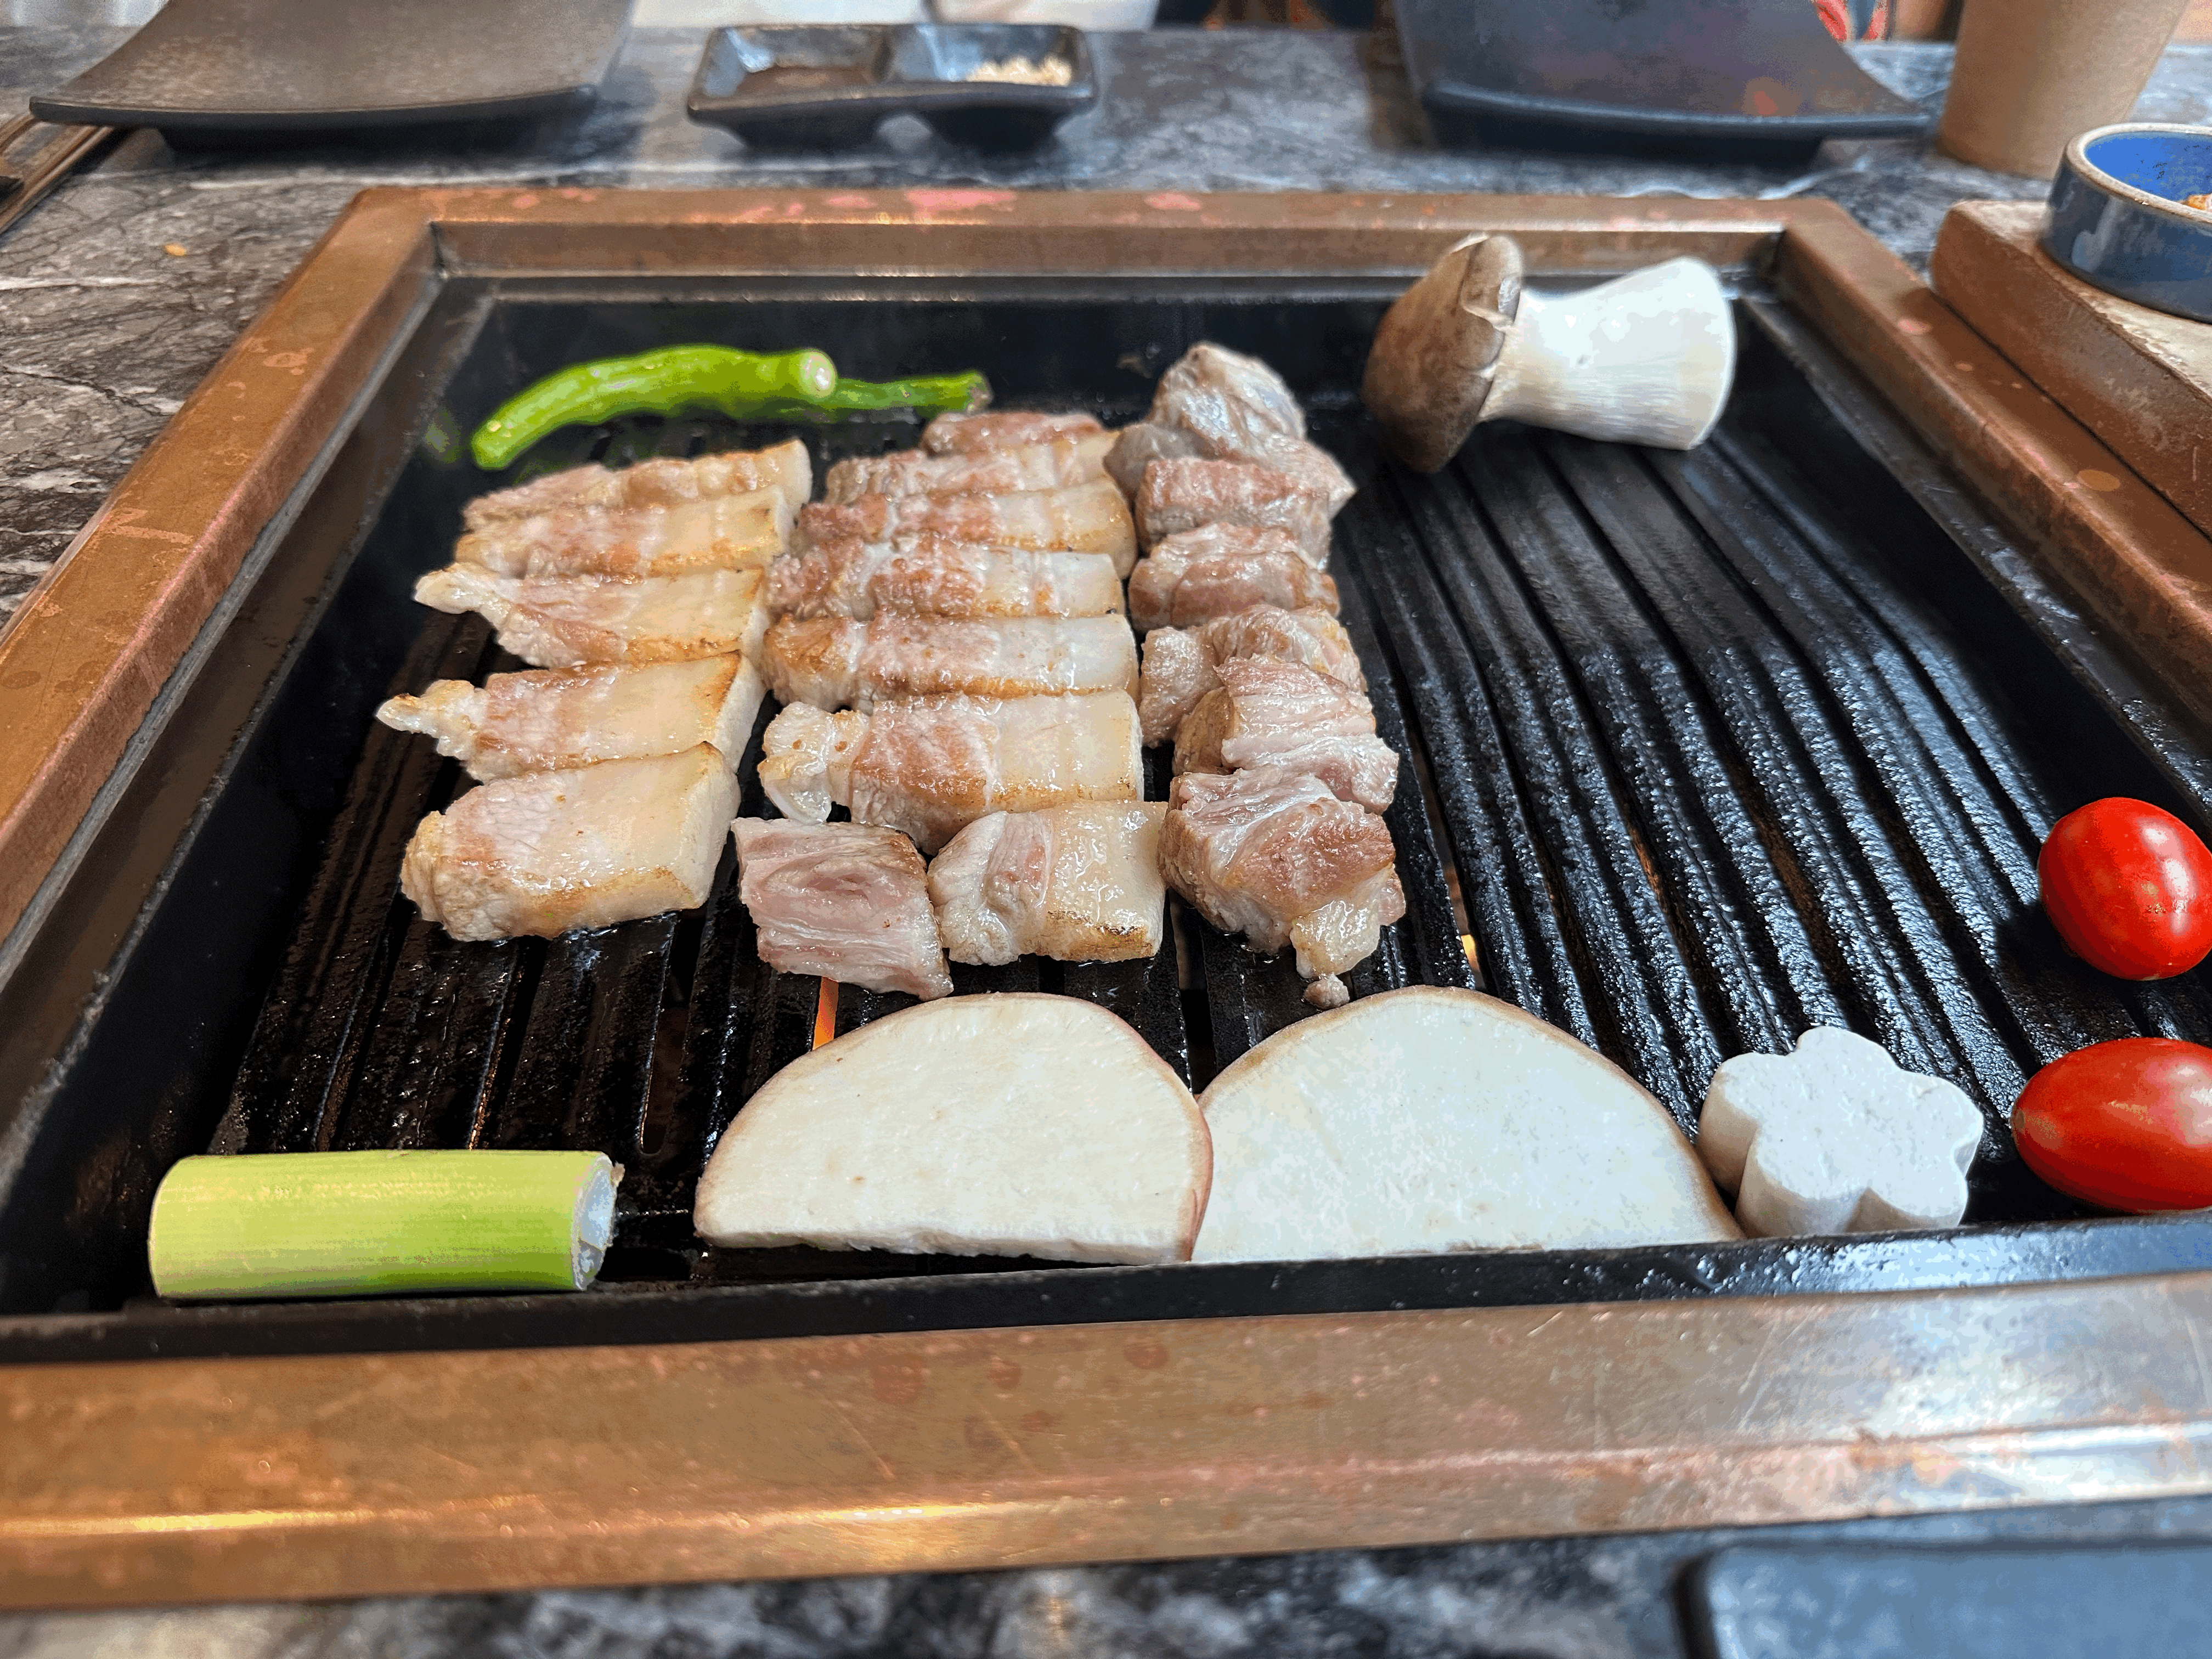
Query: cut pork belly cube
x=1180 y=662
x=847 y=902
x=1137 y=447
x=1251 y=395
x=1221 y=405
x=934 y=578
x=807 y=760
x=1077 y=884
x=1061 y=463
x=554 y=717
x=1218 y=569
x=1089 y=519
x=565 y=621
x=1003 y=429
x=834 y=662
x=1274 y=856
x=931 y=765
x=551 y=851
x=1180 y=495
x=725 y=532
x=1291 y=717
x=664 y=481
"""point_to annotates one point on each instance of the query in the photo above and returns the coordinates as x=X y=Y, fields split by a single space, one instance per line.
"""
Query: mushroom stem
x=1645 y=359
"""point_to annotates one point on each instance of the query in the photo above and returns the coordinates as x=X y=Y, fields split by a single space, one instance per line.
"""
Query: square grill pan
x=1701 y=749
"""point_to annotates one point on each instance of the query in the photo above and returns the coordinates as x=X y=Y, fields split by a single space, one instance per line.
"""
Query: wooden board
x=2141 y=380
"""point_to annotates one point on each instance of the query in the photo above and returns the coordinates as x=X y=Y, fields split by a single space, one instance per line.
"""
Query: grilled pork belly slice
x=1180 y=664
x=847 y=902
x=1005 y=428
x=565 y=621
x=1089 y=519
x=1195 y=575
x=931 y=765
x=834 y=662
x=659 y=483
x=1287 y=715
x=1059 y=464
x=988 y=1125
x=1222 y=405
x=553 y=718
x=550 y=851
x=934 y=578
x=1276 y=857
x=724 y=532
x=1183 y=495
x=1077 y=884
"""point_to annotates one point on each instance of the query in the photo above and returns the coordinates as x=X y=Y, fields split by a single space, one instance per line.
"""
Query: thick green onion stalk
x=380 y=1222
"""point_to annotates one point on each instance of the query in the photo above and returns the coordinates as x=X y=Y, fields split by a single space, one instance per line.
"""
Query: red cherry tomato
x=2129 y=888
x=2127 y=1124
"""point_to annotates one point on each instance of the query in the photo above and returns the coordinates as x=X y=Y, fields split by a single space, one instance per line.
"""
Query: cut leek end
x=263 y=1225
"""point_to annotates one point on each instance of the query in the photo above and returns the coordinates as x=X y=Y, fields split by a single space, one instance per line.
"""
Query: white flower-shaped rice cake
x=1837 y=1137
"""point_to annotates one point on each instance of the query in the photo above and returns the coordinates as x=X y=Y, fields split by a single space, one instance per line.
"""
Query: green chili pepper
x=786 y=386
x=925 y=394
x=662 y=382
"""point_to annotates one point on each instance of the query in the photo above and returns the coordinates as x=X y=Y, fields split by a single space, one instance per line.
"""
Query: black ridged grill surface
x=1712 y=757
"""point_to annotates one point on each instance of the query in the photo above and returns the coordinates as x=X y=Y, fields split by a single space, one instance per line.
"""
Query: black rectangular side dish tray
x=826 y=87
x=1757 y=80
x=1702 y=750
x=268 y=69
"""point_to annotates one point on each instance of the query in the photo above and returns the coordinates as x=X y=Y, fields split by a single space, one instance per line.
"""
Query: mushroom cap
x=1428 y=372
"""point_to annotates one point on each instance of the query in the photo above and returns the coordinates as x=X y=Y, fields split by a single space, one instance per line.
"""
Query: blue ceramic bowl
x=2116 y=218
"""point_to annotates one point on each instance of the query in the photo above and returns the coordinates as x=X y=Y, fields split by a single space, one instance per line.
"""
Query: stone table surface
x=118 y=294
x=103 y=331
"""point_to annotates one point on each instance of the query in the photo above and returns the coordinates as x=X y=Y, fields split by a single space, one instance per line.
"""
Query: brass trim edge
x=179 y=1481
x=89 y=650
x=2087 y=516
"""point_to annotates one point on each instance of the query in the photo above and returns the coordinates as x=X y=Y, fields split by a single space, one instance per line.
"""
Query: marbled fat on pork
x=662 y=482
x=847 y=902
x=1287 y=715
x=1218 y=569
x=1177 y=495
x=550 y=719
x=724 y=532
x=1077 y=884
x=936 y=578
x=1274 y=856
x=834 y=662
x=1256 y=400
x=1003 y=429
x=930 y=766
x=1057 y=464
x=568 y=621
x=1180 y=664
x=550 y=851
x=1222 y=405
x=1088 y=518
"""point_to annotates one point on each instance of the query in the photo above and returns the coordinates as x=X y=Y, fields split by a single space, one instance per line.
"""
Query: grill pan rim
x=1703 y=224
x=116 y=1532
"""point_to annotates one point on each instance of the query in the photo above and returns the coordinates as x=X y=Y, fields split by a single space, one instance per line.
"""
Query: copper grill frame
x=184 y=1481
